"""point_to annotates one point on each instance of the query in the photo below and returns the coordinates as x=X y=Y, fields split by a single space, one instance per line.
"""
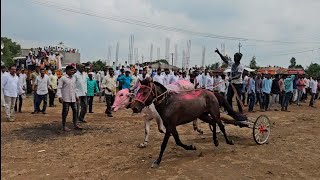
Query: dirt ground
x=34 y=147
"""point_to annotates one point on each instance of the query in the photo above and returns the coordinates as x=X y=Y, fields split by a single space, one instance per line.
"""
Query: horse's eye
x=121 y=94
x=144 y=93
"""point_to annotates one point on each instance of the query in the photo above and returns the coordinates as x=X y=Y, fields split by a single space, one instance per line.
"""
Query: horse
x=179 y=108
x=124 y=98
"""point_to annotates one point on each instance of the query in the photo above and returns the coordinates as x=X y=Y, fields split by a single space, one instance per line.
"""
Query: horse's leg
x=178 y=141
x=156 y=163
x=221 y=126
x=146 y=132
x=159 y=121
x=196 y=126
x=207 y=119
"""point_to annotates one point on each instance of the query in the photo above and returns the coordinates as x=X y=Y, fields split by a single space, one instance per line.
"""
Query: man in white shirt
x=158 y=77
x=81 y=92
x=209 y=82
x=313 y=84
x=110 y=86
x=3 y=73
x=11 y=89
x=166 y=77
x=23 y=84
x=236 y=78
x=42 y=84
x=53 y=87
x=67 y=96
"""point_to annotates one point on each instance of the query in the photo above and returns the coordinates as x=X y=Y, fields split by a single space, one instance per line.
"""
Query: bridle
x=156 y=100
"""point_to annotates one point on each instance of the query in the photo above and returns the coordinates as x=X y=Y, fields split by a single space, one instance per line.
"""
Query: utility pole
x=239 y=46
x=172 y=58
x=142 y=58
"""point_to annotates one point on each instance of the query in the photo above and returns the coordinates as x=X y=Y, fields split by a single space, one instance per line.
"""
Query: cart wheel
x=261 y=129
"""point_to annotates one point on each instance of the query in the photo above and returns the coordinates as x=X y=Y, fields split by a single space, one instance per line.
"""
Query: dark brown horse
x=179 y=108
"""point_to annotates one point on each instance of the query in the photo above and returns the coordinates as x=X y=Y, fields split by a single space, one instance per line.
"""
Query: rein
x=155 y=101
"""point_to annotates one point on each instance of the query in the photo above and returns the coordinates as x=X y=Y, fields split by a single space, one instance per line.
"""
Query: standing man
x=266 y=89
x=301 y=87
x=125 y=80
x=53 y=87
x=209 y=82
x=3 y=73
x=34 y=76
x=235 y=78
x=158 y=77
x=288 y=88
x=23 y=84
x=251 y=92
x=275 y=90
x=67 y=96
x=258 y=83
x=11 y=89
x=92 y=89
x=135 y=78
x=81 y=90
x=109 y=84
x=313 y=85
x=42 y=84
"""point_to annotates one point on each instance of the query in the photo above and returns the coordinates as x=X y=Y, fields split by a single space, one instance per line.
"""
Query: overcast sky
x=31 y=25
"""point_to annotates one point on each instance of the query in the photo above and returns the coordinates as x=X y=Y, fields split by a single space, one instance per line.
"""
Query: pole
x=239 y=46
x=172 y=58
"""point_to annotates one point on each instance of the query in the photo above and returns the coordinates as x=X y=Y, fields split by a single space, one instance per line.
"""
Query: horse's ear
x=160 y=85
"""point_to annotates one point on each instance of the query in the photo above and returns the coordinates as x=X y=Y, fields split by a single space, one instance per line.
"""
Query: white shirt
x=313 y=85
x=53 y=81
x=11 y=85
x=158 y=79
x=42 y=84
x=209 y=83
x=23 y=81
x=81 y=83
x=222 y=86
x=237 y=69
x=141 y=77
x=199 y=80
x=166 y=79
x=67 y=89
x=173 y=79
x=307 y=83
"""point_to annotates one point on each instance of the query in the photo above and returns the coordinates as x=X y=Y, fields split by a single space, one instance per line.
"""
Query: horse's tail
x=224 y=103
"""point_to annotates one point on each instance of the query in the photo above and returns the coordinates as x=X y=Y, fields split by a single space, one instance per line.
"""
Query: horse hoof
x=155 y=164
x=231 y=142
x=142 y=145
x=216 y=143
x=193 y=147
x=162 y=131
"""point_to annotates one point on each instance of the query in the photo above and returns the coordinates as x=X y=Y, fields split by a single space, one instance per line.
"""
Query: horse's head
x=123 y=99
x=148 y=93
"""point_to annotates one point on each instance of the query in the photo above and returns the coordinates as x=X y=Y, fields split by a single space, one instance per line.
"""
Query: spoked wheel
x=261 y=129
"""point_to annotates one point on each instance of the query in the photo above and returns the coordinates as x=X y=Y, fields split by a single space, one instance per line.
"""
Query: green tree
x=98 y=65
x=293 y=62
x=313 y=70
x=253 y=63
x=10 y=50
x=162 y=61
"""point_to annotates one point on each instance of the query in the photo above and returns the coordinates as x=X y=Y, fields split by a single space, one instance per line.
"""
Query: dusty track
x=107 y=148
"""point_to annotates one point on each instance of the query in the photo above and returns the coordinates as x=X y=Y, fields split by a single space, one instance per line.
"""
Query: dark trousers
x=222 y=93
x=35 y=100
x=266 y=100
x=259 y=99
x=20 y=104
x=243 y=98
x=39 y=100
x=82 y=104
x=52 y=95
x=252 y=99
x=313 y=97
x=281 y=97
x=109 y=101
x=230 y=95
x=65 y=110
x=90 y=102
x=286 y=98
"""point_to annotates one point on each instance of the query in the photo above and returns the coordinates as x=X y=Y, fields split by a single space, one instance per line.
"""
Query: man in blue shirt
x=266 y=89
x=125 y=80
x=288 y=88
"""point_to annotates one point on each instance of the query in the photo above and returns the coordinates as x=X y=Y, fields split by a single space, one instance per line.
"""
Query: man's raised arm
x=222 y=57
